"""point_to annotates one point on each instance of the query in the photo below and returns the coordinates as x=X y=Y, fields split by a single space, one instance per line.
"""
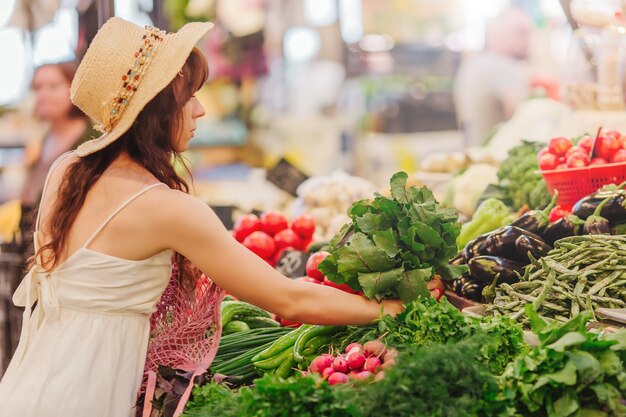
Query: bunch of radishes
x=359 y=363
x=270 y=235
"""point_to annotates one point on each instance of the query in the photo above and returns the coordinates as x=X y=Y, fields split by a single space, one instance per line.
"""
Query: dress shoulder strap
x=54 y=165
x=120 y=208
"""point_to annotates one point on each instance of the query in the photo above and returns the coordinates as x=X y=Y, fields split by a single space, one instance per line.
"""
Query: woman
x=112 y=216
x=68 y=128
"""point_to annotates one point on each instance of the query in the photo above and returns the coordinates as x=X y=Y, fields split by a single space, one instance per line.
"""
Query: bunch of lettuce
x=393 y=246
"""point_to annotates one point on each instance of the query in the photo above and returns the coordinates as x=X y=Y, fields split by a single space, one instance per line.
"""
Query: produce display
x=519 y=183
x=541 y=273
x=581 y=273
x=394 y=246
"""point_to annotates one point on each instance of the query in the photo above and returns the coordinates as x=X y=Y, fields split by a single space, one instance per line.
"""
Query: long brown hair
x=149 y=142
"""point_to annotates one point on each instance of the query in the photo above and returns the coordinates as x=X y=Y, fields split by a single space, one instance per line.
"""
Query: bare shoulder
x=176 y=208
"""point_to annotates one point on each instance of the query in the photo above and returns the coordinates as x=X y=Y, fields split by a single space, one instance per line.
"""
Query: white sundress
x=82 y=349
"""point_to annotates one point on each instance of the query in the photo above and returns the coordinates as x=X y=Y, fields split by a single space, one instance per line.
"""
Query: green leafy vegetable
x=393 y=246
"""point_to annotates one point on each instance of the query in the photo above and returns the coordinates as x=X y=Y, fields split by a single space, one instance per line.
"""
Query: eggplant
x=614 y=210
x=468 y=287
x=476 y=247
x=596 y=224
x=502 y=243
x=536 y=221
x=459 y=259
x=570 y=225
x=487 y=268
x=528 y=244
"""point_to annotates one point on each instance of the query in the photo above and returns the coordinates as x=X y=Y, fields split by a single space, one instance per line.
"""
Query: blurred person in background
x=491 y=83
x=67 y=127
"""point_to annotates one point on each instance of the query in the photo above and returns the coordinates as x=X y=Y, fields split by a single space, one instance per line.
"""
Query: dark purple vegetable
x=476 y=247
x=614 y=210
x=486 y=268
x=596 y=224
x=536 y=221
x=459 y=259
x=570 y=225
x=529 y=244
x=502 y=243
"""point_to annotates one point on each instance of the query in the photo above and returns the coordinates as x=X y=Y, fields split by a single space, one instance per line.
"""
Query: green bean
x=606 y=281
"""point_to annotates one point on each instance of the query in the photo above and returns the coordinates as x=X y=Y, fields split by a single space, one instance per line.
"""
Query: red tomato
x=611 y=132
x=586 y=142
x=260 y=243
x=598 y=161
x=577 y=160
x=561 y=166
x=619 y=156
x=246 y=225
x=286 y=238
x=622 y=141
x=548 y=162
x=559 y=146
x=313 y=263
x=559 y=211
x=273 y=222
x=308 y=279
x=304 y=226
x=342 y=287
x=576 y=150
x=606 y=146
x=307 y=243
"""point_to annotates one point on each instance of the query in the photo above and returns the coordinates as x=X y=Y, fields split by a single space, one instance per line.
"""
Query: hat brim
x=167 y=63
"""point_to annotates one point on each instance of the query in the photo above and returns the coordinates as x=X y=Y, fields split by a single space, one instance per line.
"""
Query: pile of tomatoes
x=609 y=146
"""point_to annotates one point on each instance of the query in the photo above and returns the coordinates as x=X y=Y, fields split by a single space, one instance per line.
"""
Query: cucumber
x=260 y=322
x=285 y=368
x=231 y=309
x=236 y=326
x=275 y=361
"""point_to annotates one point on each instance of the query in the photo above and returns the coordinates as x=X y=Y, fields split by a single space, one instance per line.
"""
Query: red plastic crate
x=576 y=183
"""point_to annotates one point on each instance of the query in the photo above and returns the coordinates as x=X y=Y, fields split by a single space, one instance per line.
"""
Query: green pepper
x=488 y=217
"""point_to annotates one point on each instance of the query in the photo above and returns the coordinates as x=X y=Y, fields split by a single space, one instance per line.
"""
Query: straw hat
x=125 y=67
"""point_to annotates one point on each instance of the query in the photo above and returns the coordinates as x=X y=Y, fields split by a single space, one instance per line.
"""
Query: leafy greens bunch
x=573 y=372
x=393 y=246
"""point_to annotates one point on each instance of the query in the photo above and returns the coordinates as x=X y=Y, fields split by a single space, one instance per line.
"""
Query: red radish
x=319 y=364
x=355 y=360
x=379 y=376
x=577 y=161
x=374 y=348
x=436 y=293
x=340 y=364
x=606 y=146
x=363 y=376
x=261 y=244
x=286 y=238
x=352 y=346
x=328 y=372
x=337 y=378
x=586 y=142
x=312 y=265
x=273 y=222
x=598 y=161
x=559 y=146
x=353 y=374
x=304 y=226
x=372 y=364
x=342 y=287
x=548 y=162
x=308 y=279
x=390 y=355
x=388 y=364
x=620 y=156
x=245 y=226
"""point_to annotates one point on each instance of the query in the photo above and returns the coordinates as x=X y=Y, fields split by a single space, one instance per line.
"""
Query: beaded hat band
x=125 y=67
